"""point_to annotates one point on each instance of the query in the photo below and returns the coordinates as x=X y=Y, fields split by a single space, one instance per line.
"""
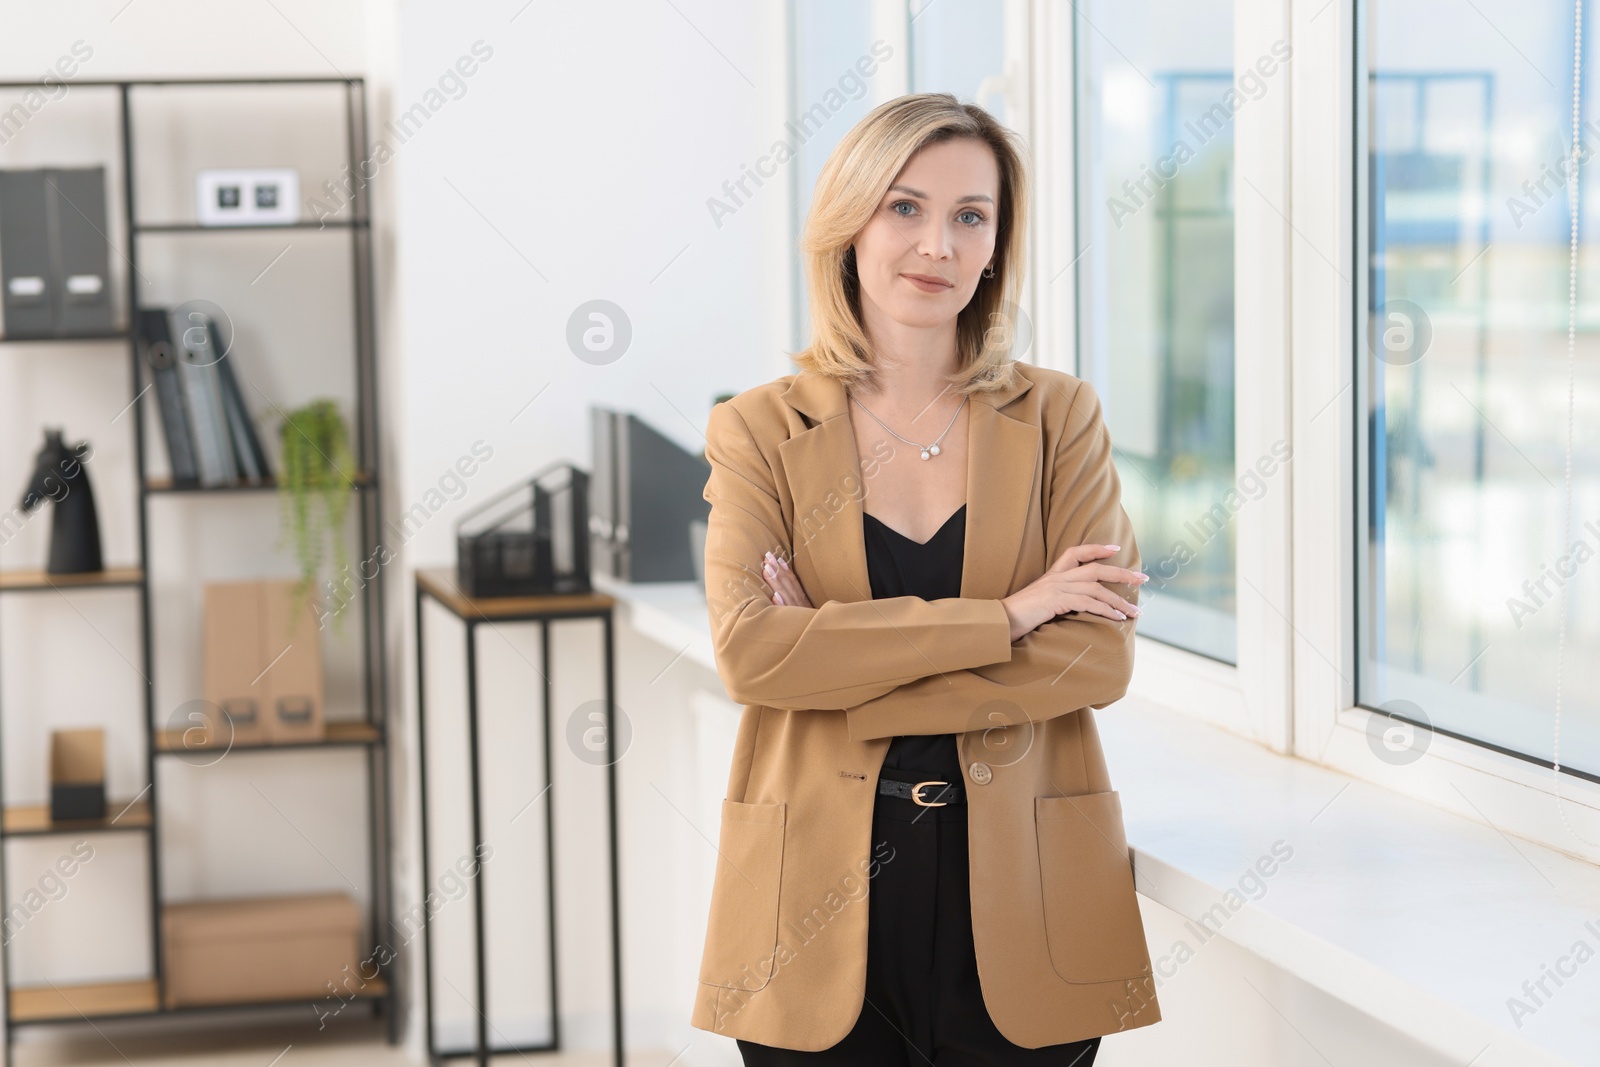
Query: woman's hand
x=786 y=587
x=1072 y=584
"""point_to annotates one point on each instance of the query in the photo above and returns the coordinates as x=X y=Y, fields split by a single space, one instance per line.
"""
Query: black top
x=899 y=566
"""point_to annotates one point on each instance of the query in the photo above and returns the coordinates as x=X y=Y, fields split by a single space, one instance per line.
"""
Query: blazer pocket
x=1091 y=915
x=742 y=934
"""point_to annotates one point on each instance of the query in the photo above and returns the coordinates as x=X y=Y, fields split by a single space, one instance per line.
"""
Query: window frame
x=1511 y=793
x=1296 y=292
x=1296 y=239
x=1251 y=698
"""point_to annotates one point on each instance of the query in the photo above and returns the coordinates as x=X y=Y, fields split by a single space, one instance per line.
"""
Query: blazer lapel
x=828 y=487
x=1004 y=456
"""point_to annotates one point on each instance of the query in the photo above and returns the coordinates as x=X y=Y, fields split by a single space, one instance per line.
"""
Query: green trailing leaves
x=314 y=487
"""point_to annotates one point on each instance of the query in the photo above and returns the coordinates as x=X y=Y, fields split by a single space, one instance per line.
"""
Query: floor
x=359 y=1044
x=356 y=1044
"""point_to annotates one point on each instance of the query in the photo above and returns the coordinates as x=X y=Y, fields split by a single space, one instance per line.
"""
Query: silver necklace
x=929 y=450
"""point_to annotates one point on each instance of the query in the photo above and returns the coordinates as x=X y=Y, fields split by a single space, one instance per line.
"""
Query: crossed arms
x=904 y=665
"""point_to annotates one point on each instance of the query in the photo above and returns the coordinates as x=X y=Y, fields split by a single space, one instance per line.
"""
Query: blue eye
x=895 y=207
x=977 y=217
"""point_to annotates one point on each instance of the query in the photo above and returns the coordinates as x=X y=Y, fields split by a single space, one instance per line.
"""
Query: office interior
x=1329 y=264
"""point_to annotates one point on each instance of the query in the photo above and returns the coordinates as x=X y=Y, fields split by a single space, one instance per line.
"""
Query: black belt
x=928 y=792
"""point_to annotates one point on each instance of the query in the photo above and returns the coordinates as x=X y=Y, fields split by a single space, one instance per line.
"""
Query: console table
x=440 y=585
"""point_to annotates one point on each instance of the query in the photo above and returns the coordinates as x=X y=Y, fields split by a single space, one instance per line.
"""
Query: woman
x=921 y=582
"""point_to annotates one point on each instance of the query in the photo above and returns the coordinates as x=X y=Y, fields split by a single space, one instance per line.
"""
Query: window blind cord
x=1572 y=341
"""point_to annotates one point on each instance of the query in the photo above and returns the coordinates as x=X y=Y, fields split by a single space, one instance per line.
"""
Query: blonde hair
x=848 y=191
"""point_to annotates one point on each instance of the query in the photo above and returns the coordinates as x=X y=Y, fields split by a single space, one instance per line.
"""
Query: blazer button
x=980 y=773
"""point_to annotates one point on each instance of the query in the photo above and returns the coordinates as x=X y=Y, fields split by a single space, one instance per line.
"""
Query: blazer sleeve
x=828 y=657
x=1075 y=660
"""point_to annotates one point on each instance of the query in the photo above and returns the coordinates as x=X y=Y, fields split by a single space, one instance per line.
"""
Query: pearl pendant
x=934 y=449
x=924 y=453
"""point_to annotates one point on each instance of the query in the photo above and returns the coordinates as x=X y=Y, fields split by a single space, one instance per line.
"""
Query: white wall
x=1226 y=1007
x=576 y=166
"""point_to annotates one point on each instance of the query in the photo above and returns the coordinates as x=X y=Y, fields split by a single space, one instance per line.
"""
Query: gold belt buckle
x=916 y=795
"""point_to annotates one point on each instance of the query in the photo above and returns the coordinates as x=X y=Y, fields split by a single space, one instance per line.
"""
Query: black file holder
x=529 y=540
x=54 y=253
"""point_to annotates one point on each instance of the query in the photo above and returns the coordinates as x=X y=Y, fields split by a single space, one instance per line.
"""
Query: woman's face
x=920 y=256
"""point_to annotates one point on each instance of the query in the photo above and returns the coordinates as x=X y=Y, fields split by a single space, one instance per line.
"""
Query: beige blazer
x=1060 y=944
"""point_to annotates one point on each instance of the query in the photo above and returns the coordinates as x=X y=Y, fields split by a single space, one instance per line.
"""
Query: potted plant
x=314 y=487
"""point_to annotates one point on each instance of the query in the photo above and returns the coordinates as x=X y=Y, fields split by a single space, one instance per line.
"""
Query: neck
x=911 y=365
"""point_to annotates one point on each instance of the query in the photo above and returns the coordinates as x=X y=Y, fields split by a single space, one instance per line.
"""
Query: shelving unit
x=111 y=577
x=92 y=1002
x=21 y=820
x=361 y=480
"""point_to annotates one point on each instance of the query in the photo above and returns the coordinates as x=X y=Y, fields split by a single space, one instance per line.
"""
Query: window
x=1155 y=293
x=1385 y=247
x=1463 y=123
x=954 y=46
x=828 y=94
x=958 y=46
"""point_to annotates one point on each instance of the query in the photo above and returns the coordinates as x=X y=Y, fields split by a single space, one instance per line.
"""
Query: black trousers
x=923 y=1003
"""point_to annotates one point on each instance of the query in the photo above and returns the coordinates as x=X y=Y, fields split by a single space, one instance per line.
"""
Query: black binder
x=155 y=341
x=252 y=457
x=645 y=491
x=202 y=394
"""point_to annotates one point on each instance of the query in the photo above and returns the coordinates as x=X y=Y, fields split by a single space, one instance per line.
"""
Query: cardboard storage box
x=77 y=774
x=259 y=948
x=231 y=626
x=263 y=663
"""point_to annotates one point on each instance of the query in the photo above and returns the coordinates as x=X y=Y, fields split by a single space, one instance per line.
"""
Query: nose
x=933 y=241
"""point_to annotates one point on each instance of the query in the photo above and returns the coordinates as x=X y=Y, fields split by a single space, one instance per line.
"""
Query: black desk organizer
x=529 y=540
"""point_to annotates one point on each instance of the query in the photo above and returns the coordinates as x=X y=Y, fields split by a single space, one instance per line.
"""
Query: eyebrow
x=923 y=196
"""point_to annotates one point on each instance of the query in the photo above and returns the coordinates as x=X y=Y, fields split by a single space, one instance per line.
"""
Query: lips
x=927 y=283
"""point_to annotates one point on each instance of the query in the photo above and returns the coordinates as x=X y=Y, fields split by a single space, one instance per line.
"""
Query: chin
x=926 y=315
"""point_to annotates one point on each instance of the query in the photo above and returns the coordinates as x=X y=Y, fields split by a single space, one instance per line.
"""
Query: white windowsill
x=1424 y=920
x=673 y=614
x=1416 y=916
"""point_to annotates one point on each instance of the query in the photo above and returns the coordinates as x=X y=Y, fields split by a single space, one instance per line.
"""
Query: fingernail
x=1136 y=611
x=766 y=568
x=1115 y=548
x=784 y=564
x=778 y=597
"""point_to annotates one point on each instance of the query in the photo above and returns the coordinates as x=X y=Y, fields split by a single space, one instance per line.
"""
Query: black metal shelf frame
x=369 y=510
